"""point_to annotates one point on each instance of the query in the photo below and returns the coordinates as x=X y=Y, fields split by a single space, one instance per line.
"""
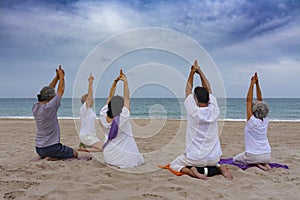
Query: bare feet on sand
x=37 y=158
x=196 y=174
x=82 y=149
x=51 y=159
x=90 y=149
x=265 y=167
x=226 y=173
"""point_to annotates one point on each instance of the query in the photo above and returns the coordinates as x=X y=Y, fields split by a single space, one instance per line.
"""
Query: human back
x=120 y=148
x=48 y=130
x=202 y=139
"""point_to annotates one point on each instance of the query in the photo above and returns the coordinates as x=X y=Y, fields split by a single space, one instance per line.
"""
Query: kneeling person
x=48 y=144
x=88 y=138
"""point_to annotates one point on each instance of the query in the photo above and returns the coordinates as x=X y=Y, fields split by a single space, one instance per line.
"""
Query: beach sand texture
x=160 y=141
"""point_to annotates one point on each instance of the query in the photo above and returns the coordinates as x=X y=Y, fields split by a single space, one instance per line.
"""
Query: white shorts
x=182 y=161
x=89 y=139
x=248 y=158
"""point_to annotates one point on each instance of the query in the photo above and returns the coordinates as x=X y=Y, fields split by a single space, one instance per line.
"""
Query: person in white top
x=120 y=148
x=257 y=147
x=89 y=141
x=202 y=140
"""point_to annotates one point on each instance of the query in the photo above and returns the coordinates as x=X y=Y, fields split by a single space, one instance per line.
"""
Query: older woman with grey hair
x=257 y=147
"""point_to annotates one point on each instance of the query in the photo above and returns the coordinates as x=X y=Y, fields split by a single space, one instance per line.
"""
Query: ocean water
x=281 y=109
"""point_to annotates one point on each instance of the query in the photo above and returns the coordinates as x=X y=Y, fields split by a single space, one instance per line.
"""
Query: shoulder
x=35 y=106
x=104 y=109
x=189 y=98
x=125 y=112
x=83 y=108
x=253 y=121
x=55 y=99
x=212 y=99
x=55 y=102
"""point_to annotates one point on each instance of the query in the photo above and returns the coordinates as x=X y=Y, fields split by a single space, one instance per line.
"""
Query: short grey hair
x=260 y=109
x=46 y=93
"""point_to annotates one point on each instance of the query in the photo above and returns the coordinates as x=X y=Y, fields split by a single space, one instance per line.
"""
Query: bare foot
x=51 y=159
x=92 y=149
x=37 y=158
x=268 y=166
x=226 y=173
x=82 y=149
x=196 y=174
x=265 y=167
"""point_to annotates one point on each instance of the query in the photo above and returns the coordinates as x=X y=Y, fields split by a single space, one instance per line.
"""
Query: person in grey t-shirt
x=48 y=144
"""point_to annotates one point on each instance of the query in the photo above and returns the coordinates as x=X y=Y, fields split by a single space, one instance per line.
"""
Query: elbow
x=60 y=92
x=249 y=100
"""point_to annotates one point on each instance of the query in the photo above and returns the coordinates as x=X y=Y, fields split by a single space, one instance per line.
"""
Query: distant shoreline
x=173 y=119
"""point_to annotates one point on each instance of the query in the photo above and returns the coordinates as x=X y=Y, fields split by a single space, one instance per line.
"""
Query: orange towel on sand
x=171 y=170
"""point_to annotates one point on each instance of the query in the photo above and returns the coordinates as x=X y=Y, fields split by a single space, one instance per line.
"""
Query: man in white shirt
x=202 y=139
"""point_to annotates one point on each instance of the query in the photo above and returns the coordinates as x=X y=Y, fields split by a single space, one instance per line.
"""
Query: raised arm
x=54 y=81
x=258 y=91
x=204 y=81
x=90 y=92
x=126 y=90
x=61 y=84
x=113 y=89
x=249 y=98
x=190 y=81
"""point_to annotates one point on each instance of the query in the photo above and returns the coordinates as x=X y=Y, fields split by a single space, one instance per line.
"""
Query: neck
x=43 y=102
x=202 y=104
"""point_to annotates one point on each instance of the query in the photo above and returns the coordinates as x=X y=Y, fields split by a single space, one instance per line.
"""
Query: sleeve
x=190 y=105
x=213 y=103
x=103 y=115
x=83 y=110
x=124 y=119
x=53 y=105
x=251 y=122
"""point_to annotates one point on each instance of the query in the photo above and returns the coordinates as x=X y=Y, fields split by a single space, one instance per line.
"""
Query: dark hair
x=115 y=106
x=201 y=94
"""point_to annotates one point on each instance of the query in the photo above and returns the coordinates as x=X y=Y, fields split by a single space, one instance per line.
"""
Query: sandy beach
x=160 y=141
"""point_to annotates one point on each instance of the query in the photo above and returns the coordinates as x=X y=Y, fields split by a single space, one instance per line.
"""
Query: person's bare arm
x=189 y=84
x=249 y=98
x=204 y=80
x=190 y=81
x=90 y=92
x=258 y=91
x=126 y=91
x=112 y=89
x=54 y=81
x=61 y=84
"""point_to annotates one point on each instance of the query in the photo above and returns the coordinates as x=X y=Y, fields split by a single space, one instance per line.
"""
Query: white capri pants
x=248 y=158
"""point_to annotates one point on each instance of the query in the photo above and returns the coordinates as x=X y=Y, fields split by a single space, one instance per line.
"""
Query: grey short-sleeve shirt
x=45 y=115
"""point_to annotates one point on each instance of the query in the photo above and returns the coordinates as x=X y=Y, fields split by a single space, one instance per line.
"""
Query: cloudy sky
x=241 y=37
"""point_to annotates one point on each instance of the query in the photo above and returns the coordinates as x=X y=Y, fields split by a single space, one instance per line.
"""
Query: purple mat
x=229 y=161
